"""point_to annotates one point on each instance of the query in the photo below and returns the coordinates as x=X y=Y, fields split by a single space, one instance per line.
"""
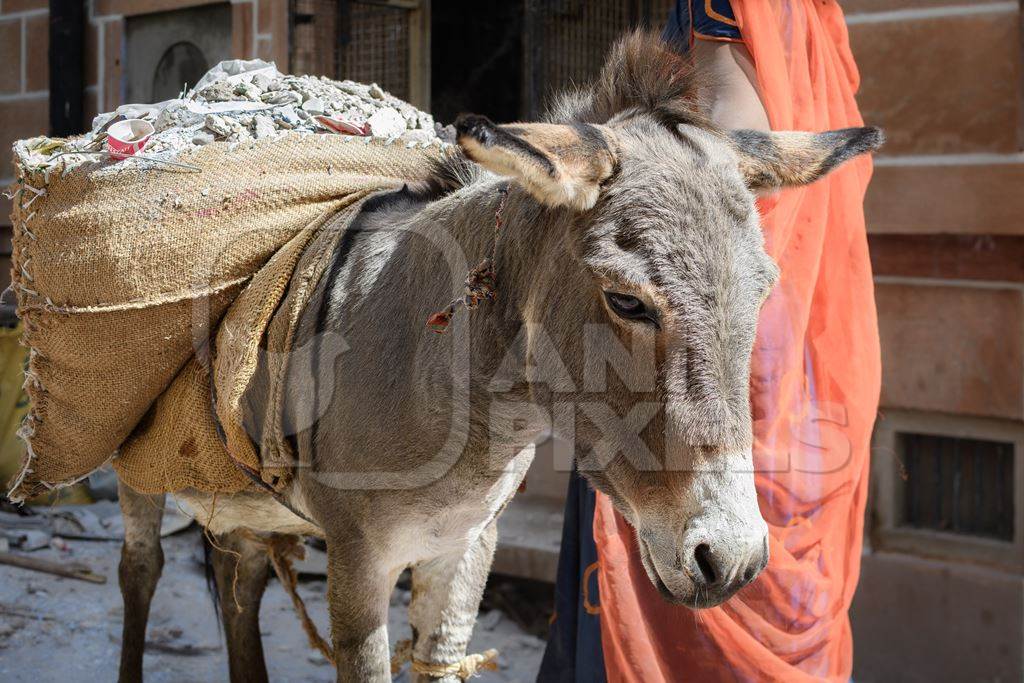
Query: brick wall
x=259 y=29
x=24 y=103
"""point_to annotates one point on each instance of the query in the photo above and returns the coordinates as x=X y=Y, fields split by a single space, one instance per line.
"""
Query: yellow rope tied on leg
x=282 y=549
x=467 y=667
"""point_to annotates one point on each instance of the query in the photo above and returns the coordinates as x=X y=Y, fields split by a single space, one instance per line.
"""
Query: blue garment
x=711 y=19
x=574 y=650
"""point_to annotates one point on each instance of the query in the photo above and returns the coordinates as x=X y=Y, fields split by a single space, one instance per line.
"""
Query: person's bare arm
x=736 y=102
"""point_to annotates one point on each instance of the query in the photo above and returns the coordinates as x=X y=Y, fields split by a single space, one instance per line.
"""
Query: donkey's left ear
x=769 y=161
x=560 y=165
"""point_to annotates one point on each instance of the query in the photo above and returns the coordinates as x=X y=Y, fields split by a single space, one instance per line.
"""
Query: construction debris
x=100 y=521
x=239 y=101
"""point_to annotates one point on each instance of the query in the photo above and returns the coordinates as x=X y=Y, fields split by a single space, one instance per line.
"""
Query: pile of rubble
x=277 y=103
x=243 y=100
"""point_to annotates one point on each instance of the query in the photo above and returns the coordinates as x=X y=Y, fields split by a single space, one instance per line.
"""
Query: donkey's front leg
x=358 y=593
x=446 y=596
x=142 y=560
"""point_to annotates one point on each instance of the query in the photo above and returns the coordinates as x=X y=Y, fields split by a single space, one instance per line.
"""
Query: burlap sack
x=177 y=445
x=122 y=271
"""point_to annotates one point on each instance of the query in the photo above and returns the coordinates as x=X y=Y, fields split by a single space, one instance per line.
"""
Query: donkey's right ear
x=769 y=161
x=560 y=165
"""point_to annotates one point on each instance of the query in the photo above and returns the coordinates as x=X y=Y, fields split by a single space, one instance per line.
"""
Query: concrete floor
x=56 y=629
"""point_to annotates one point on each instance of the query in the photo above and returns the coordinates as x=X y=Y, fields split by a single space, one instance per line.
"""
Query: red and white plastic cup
x=128 y=137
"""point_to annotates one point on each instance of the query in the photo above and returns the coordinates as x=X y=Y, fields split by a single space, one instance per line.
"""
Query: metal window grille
x=377 y=47
x=368 y=41
x=958 y=485
x=566 y=41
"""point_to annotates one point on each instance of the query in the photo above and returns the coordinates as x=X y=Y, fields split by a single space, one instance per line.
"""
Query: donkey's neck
x=405 y=261
x=491 y=334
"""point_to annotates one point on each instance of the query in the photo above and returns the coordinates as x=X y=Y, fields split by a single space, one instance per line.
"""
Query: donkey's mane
x=641 y=75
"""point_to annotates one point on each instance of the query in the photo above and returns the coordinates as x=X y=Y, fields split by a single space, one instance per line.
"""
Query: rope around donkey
x=481 y=284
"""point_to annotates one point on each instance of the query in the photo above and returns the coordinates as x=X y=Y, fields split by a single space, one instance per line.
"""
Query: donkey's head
x=661 y=245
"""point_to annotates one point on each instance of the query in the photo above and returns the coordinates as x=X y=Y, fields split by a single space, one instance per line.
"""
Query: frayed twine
x=37 y=195
x=282 y=549
x=481 y=284
x=31 y=381
x=25 y=433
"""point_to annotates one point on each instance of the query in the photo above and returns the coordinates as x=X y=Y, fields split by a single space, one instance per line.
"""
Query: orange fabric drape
x=814 y=392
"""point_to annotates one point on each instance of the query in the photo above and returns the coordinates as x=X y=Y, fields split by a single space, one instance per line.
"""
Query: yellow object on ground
x=13 y=400
x=14 y=405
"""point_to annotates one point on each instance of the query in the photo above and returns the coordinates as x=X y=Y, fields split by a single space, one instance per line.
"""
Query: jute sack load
x=123 y=270
x=182 y=443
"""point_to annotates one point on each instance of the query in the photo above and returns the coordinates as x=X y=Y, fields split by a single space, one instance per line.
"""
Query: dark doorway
x=476 y=59
x=167 y=52
x=182 y=63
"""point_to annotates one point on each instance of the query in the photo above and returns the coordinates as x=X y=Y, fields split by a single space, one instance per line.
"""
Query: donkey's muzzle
x=704 y=571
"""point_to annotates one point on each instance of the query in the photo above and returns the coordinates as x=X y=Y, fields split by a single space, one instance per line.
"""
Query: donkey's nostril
x=702 y=553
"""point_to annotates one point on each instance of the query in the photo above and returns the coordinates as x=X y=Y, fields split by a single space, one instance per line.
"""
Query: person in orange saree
x=815 y=377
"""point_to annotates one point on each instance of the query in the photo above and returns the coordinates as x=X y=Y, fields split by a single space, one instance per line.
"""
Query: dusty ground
x=56 y=629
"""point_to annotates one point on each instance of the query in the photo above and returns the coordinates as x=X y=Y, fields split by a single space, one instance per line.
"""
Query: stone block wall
x=945 y=215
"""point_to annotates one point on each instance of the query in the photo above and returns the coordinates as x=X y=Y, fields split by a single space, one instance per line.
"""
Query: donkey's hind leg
x=241 y=569
x=142 y=560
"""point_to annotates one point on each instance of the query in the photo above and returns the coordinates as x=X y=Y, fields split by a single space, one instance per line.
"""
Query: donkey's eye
x=631 y=308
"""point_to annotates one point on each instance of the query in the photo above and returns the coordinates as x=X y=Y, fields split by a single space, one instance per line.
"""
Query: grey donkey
x=630 y=268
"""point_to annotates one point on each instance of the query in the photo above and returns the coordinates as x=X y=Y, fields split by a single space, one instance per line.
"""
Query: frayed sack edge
x=20 y=275
x=21 y=486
